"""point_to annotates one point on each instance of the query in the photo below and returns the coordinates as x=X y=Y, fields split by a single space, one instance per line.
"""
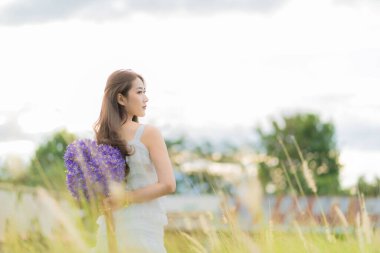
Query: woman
x=139 y=216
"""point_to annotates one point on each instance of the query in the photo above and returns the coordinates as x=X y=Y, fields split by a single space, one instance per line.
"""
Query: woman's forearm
x=149 y=192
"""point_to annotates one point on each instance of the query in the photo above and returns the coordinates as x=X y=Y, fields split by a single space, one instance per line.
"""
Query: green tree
x=367 y=188
x=317 y=148
x=47 y=166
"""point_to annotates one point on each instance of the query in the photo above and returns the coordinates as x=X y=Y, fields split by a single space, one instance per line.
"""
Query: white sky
x=226 y=69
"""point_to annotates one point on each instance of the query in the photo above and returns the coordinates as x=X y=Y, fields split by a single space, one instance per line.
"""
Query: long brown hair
x=112 y=114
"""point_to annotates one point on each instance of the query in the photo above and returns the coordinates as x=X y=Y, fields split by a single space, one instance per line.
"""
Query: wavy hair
x=112 y=114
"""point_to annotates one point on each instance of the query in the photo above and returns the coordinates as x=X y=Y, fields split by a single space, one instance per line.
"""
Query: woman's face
x=135 y=102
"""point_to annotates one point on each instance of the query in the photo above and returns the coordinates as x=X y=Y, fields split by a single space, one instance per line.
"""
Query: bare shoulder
x=152 y=135
x=151 y=130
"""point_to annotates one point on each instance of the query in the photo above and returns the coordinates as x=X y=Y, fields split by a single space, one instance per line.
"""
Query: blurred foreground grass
x=192 y=242
x=76 y=232
x=74 y=227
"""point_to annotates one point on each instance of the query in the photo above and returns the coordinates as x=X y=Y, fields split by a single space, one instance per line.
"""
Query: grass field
x=200 y=241
x=75 y=234
x=75 y=228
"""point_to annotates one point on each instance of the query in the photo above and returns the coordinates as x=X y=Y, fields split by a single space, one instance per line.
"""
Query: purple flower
x=92 y=167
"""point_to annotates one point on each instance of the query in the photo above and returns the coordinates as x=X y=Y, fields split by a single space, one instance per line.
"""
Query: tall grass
x=75 y=228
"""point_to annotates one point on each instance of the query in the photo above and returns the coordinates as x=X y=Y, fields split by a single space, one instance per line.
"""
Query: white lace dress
x=139 y=228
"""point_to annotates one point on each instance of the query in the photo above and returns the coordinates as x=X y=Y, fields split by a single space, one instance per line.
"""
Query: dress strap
x=139 y=132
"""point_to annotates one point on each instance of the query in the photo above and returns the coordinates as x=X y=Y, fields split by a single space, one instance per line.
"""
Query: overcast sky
x=226 y=65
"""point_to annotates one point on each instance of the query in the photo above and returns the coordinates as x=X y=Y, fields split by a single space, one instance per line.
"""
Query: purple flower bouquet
x=91 y=168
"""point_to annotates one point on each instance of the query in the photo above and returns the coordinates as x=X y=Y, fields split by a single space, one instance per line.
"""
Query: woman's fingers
x=110 y=203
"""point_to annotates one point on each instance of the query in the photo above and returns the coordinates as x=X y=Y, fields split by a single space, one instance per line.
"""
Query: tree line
x=298 y=153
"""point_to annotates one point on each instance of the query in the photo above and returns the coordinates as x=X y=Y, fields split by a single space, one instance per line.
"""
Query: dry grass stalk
x=341 y=216
x=309 y=177
x=60 y=215
x=292 y=166
x=301 y=236
x=359 y=232
x=365 y=220
x=305 y=169
x=196 y=245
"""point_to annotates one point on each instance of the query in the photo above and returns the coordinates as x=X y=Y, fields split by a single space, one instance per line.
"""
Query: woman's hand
x=117 y=201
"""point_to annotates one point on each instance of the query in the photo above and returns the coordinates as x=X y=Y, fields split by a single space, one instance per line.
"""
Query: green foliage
x=47 y=166
x=316 y=140
x=369 y=189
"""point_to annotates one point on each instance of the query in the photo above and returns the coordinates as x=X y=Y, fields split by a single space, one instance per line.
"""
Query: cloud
x=10 y=129
x=359 y=136
x=38 y=11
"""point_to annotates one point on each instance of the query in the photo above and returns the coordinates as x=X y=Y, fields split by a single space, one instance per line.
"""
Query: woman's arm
x=166 y=183
x=160 y=157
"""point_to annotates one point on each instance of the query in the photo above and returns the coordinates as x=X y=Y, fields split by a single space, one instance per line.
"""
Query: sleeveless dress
x=139 y=228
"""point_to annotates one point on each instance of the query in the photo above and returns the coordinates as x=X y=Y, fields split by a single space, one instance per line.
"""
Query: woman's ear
x=121 y=99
